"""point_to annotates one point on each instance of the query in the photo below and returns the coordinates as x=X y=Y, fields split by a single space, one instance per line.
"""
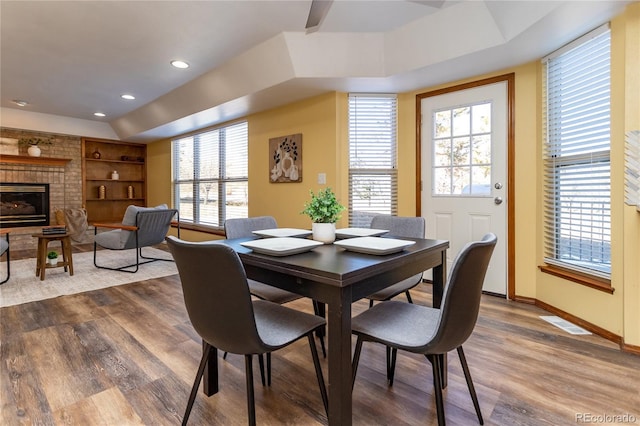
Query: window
x=576 y=155
x=210 y=175
x=372 y=157
x=462 y=151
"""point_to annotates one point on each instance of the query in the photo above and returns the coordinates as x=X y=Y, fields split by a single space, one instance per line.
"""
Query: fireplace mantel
x=38 y=161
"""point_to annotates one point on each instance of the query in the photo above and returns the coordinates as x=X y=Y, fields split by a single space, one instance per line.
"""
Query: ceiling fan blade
x=317 y=13
x=433 y=3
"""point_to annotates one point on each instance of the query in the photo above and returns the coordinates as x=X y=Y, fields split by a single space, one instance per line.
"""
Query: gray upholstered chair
x=430 y=331
x=243 y=228
x=140 y=227
x=412 y=227
x=221 y=311
x=4 y=248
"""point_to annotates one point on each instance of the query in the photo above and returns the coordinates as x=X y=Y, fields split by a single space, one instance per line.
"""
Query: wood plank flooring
x=127 y=355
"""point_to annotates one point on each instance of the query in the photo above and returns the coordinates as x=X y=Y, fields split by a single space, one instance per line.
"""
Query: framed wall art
x=285 y=159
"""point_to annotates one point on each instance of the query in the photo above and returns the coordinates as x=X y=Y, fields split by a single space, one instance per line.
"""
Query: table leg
x=67 y=257
x=38 y=257
x=339 y=320
x=42 y=257
x=439 y=280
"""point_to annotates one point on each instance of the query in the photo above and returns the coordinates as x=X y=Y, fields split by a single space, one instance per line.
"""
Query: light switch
x=322 y=178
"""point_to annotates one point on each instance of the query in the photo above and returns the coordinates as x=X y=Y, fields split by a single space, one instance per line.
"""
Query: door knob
x=497 y=200
x=498 y=185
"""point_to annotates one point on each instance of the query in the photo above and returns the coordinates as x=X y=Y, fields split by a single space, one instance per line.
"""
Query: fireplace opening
x=24 y=204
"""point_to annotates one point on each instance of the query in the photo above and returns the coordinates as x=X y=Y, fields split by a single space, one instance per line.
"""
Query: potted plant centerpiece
x=324 y=211
x=34 y=149
x=53 y=258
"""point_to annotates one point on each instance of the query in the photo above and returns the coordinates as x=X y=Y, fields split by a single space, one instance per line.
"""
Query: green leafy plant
x=323 y=207
x=52 y=255
x=35 y=141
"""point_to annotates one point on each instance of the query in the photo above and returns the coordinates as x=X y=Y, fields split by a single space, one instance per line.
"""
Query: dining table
x=337 y=277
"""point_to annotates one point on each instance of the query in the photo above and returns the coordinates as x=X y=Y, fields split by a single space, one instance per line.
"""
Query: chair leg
x=251 y=405
x=371 y=303
x=356 y=360
x=392 y=354
x=437 y=387
x=196 y=383
x=324 y=350
x=268 y=368
x=408 y=296
x=224 y=355
x=261 y=362
x=320 y=377
x=320 y=311
x=472 y=389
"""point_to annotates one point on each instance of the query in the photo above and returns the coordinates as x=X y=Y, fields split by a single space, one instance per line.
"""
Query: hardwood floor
x=128 y=355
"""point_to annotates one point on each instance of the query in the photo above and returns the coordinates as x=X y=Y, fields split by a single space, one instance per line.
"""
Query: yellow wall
x=631 y=235
x=323 y=137
x=323 y=122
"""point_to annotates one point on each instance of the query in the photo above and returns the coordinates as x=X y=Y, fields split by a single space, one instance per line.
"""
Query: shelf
x=115 y=180
x=100 y=160
x=97 y=172
x=115 y=199
x=38 y=161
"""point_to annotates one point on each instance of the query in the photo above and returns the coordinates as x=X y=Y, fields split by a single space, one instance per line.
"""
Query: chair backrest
x=399 y=226
x=462 y=293
x=243 y=227
x=216 y=295
x=153 y=225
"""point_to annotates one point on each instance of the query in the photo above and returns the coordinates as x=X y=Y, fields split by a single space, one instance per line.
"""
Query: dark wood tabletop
x=337 y=277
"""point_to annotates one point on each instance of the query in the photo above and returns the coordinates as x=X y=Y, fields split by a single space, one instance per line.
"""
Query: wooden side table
x=41 y=258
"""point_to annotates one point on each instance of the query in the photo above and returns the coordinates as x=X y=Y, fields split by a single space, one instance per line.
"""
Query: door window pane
x=453 y=158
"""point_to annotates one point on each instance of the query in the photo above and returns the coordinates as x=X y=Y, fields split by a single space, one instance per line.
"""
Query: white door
x=464 y=172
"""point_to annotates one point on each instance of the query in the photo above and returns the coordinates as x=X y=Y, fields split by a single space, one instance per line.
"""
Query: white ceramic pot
x=324 y=232
x=53 y=262
x=34 y=151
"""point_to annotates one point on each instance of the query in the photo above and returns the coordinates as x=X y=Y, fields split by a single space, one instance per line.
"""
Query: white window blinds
x=211 y=175
x=576 y=156
x=372 y=157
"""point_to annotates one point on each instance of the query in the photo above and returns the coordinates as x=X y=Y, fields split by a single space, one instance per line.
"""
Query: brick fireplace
x=64 y=178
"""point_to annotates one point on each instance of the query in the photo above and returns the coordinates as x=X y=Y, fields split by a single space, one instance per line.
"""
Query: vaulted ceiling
x=74 y=58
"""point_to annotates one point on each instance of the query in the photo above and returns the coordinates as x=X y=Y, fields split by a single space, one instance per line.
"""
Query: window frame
x=564 y=154
x=220 y=179
x=386 y=174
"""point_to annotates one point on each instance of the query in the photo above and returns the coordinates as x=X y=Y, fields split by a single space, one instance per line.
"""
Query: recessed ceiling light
x=180 y=64
x=99 y=114
x=127 y=97
x=20 y=103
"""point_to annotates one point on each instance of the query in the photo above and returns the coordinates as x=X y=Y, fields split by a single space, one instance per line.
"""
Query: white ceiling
x=73 y=58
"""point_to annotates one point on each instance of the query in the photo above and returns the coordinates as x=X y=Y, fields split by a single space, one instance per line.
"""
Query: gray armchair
x=398 y=226
x=221 y=311
x=140 y=227
x=4 y=248
x=429 y=331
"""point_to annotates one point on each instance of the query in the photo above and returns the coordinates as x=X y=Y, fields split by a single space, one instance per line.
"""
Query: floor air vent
x=564 y=325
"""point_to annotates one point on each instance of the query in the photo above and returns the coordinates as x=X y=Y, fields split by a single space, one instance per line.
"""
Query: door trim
x=511 y=191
